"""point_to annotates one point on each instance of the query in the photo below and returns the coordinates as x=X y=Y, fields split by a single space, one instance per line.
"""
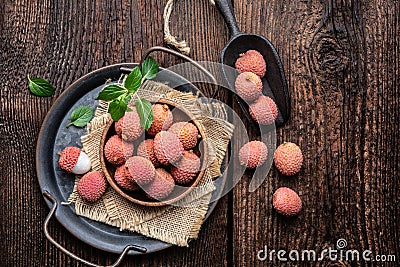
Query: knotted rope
x=169 y=39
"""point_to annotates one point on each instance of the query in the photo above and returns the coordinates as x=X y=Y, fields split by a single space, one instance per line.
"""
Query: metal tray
x=56 y=185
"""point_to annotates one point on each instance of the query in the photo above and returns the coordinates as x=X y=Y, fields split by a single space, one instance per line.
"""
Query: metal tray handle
x=182 y=56
x=72 y=255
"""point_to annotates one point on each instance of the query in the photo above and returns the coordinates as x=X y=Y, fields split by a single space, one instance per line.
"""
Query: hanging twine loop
x=169 y=39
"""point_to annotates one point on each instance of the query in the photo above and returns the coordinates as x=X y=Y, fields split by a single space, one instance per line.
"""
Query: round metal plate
x=54 y=136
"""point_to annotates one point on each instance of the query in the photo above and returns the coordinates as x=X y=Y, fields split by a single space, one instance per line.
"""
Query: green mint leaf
x=40 y=87
x=149 y=68
x=111 y=92
x=117 y=109
x=133 y=81
x=81 y=116
x=145 y=112
x=127 y=99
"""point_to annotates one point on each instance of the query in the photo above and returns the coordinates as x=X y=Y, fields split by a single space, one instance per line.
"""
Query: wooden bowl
x=139 y=196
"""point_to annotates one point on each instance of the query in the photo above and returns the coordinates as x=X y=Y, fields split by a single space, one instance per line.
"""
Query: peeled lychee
x=74 y=160
x=162 y=119
x=264 y=110
x=92 y=186
x=286 y=202
x=129 y=127
x=140 y=170
x=117 y=151
x=162 y=185
x=167 y=147
x=253 y=154
x=146 y=150
x=187 y=133
x=186 y=169
x=121 y=178
x=251 y=61
x=248 y=86
x=288 y=158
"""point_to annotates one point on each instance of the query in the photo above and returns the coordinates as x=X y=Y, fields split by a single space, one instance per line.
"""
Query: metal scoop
x=274 y=81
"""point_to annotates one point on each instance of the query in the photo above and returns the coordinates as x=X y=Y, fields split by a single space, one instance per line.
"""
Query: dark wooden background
x=341 y=59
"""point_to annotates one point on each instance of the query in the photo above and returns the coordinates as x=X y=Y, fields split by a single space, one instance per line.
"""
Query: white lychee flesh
x=83 y=164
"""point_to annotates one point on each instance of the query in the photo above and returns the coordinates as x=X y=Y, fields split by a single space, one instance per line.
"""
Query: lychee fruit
x=167 y=147
x=286 y=202
x=162 y=185
x=264 y=110
x=146 y=150
x=140 y=170
x=253 y=154
x=74 y=160
x=162 y=119
x=251 y=61
x=121 y=178
x=129 y=127
x=288 y=158
x=92 y=186
x=117 y=151
x=186 y=169
x=248 y=86
x=187 y=133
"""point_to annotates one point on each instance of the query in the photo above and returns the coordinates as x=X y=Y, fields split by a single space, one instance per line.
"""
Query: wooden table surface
x=341 y=59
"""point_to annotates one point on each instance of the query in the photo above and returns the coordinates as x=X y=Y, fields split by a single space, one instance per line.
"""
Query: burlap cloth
x=171 y=224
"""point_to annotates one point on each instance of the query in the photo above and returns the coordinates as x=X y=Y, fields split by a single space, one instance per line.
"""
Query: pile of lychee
x=248 y=84
x=288 y=159
x=164 y=157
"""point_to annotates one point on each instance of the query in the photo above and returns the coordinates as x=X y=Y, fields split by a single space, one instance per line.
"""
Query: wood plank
x=339 y=58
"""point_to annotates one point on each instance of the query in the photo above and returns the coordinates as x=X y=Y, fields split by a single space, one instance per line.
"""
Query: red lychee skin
x=118 y=125
x=162 y=185
x=167 y=147
x=253 y=154
x=251 y=61
x=117 y=151
x=140 y=170
x=288 y=158
x=146 y=150
x=186 y=169
x=162 y=119
x=123 y=181
x=129 y=127
x=68 y=158
x=264 y=110
x=286 y=202
x=92 y=186
x=248 y=86
x=187 y=133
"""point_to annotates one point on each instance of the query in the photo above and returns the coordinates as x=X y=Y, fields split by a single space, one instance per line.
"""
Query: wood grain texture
x=341 y=59
x=342 y=67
